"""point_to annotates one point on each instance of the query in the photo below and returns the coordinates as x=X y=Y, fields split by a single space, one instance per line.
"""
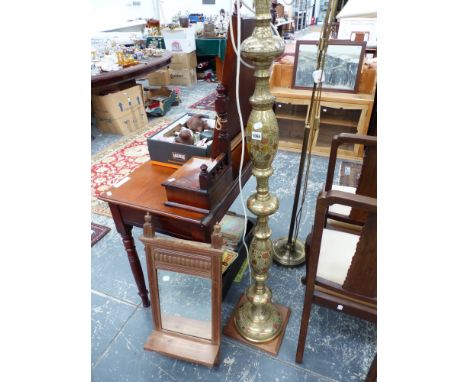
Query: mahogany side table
x=142 y=192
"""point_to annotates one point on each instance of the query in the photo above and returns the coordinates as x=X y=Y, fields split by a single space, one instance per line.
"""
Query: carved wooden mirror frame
x=190 y=258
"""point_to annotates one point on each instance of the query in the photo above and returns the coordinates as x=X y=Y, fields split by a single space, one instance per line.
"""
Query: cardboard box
x=159 y=101
x=181 y=61
x=184 y=77
x=179 y=39
x=173 y=154
x=122 y=112
x=159 y=77
x=114 y=104
x=158 y=93
x=126 y=124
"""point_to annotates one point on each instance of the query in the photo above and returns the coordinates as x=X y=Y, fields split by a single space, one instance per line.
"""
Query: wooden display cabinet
x=336 y=118
x=340 y=113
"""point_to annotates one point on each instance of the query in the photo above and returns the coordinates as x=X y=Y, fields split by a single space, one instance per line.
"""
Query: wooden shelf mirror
x=185 y=288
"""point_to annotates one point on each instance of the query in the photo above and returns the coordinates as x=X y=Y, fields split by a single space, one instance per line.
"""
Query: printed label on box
x=178 y=156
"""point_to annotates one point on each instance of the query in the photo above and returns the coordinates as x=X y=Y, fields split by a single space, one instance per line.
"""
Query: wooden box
x=184 y=189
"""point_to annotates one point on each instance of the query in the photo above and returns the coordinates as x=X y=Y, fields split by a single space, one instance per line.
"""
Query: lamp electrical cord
x=242 y=130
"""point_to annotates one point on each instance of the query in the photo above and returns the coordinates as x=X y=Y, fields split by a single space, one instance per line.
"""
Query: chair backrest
x=367 y=185
x=362 y=273
x=361 y=276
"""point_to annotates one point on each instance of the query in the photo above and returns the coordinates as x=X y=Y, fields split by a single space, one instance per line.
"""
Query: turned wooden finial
x=216 y=237
x=220 y=89
x=148 y=227
x=204 y=177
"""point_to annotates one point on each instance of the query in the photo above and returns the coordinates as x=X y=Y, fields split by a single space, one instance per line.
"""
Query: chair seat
x=336 y=254
x=339 y=208
x=342 y=210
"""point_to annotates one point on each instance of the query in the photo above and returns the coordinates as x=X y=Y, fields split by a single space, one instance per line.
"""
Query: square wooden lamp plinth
x=272 y=346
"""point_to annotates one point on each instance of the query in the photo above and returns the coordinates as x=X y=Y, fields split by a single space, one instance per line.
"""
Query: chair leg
x=308 y=298
x=311 y=272
x=307 y=248
x=372 y=373
x=304 y=323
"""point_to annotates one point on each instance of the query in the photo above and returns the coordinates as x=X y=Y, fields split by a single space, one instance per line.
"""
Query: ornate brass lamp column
x=257 y=319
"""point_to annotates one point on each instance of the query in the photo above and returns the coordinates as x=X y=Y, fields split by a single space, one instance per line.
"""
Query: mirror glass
x=185 y=303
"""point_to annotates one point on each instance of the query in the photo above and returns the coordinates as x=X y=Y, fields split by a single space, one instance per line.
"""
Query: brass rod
x=312 y=120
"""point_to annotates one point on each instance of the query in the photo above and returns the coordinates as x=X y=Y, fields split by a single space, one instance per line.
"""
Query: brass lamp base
x=288 y=255
x=258 y=321
x=273 y=346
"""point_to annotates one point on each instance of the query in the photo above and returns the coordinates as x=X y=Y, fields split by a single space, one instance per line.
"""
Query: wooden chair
x=343 y=216
x=341 y=268
x=372 y=373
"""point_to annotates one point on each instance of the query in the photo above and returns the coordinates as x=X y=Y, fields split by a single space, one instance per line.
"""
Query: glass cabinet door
x=335 y=119
x=291 y=121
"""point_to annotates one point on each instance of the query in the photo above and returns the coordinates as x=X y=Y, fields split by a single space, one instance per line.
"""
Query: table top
x=143 y=191
x=132 y=72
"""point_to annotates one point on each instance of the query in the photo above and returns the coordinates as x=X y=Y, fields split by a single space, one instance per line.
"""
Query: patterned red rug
x=117 y=161
x=98 y=232
x=207 y=103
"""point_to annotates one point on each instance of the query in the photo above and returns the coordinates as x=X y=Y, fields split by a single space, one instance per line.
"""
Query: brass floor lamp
x=256 y=320
x=289 y=251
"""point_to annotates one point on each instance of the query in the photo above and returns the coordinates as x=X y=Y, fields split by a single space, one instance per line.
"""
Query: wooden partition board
x=272 y=347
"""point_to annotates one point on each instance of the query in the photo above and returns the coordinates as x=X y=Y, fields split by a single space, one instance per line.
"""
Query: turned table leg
x=135 y=265
x=125 y=231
